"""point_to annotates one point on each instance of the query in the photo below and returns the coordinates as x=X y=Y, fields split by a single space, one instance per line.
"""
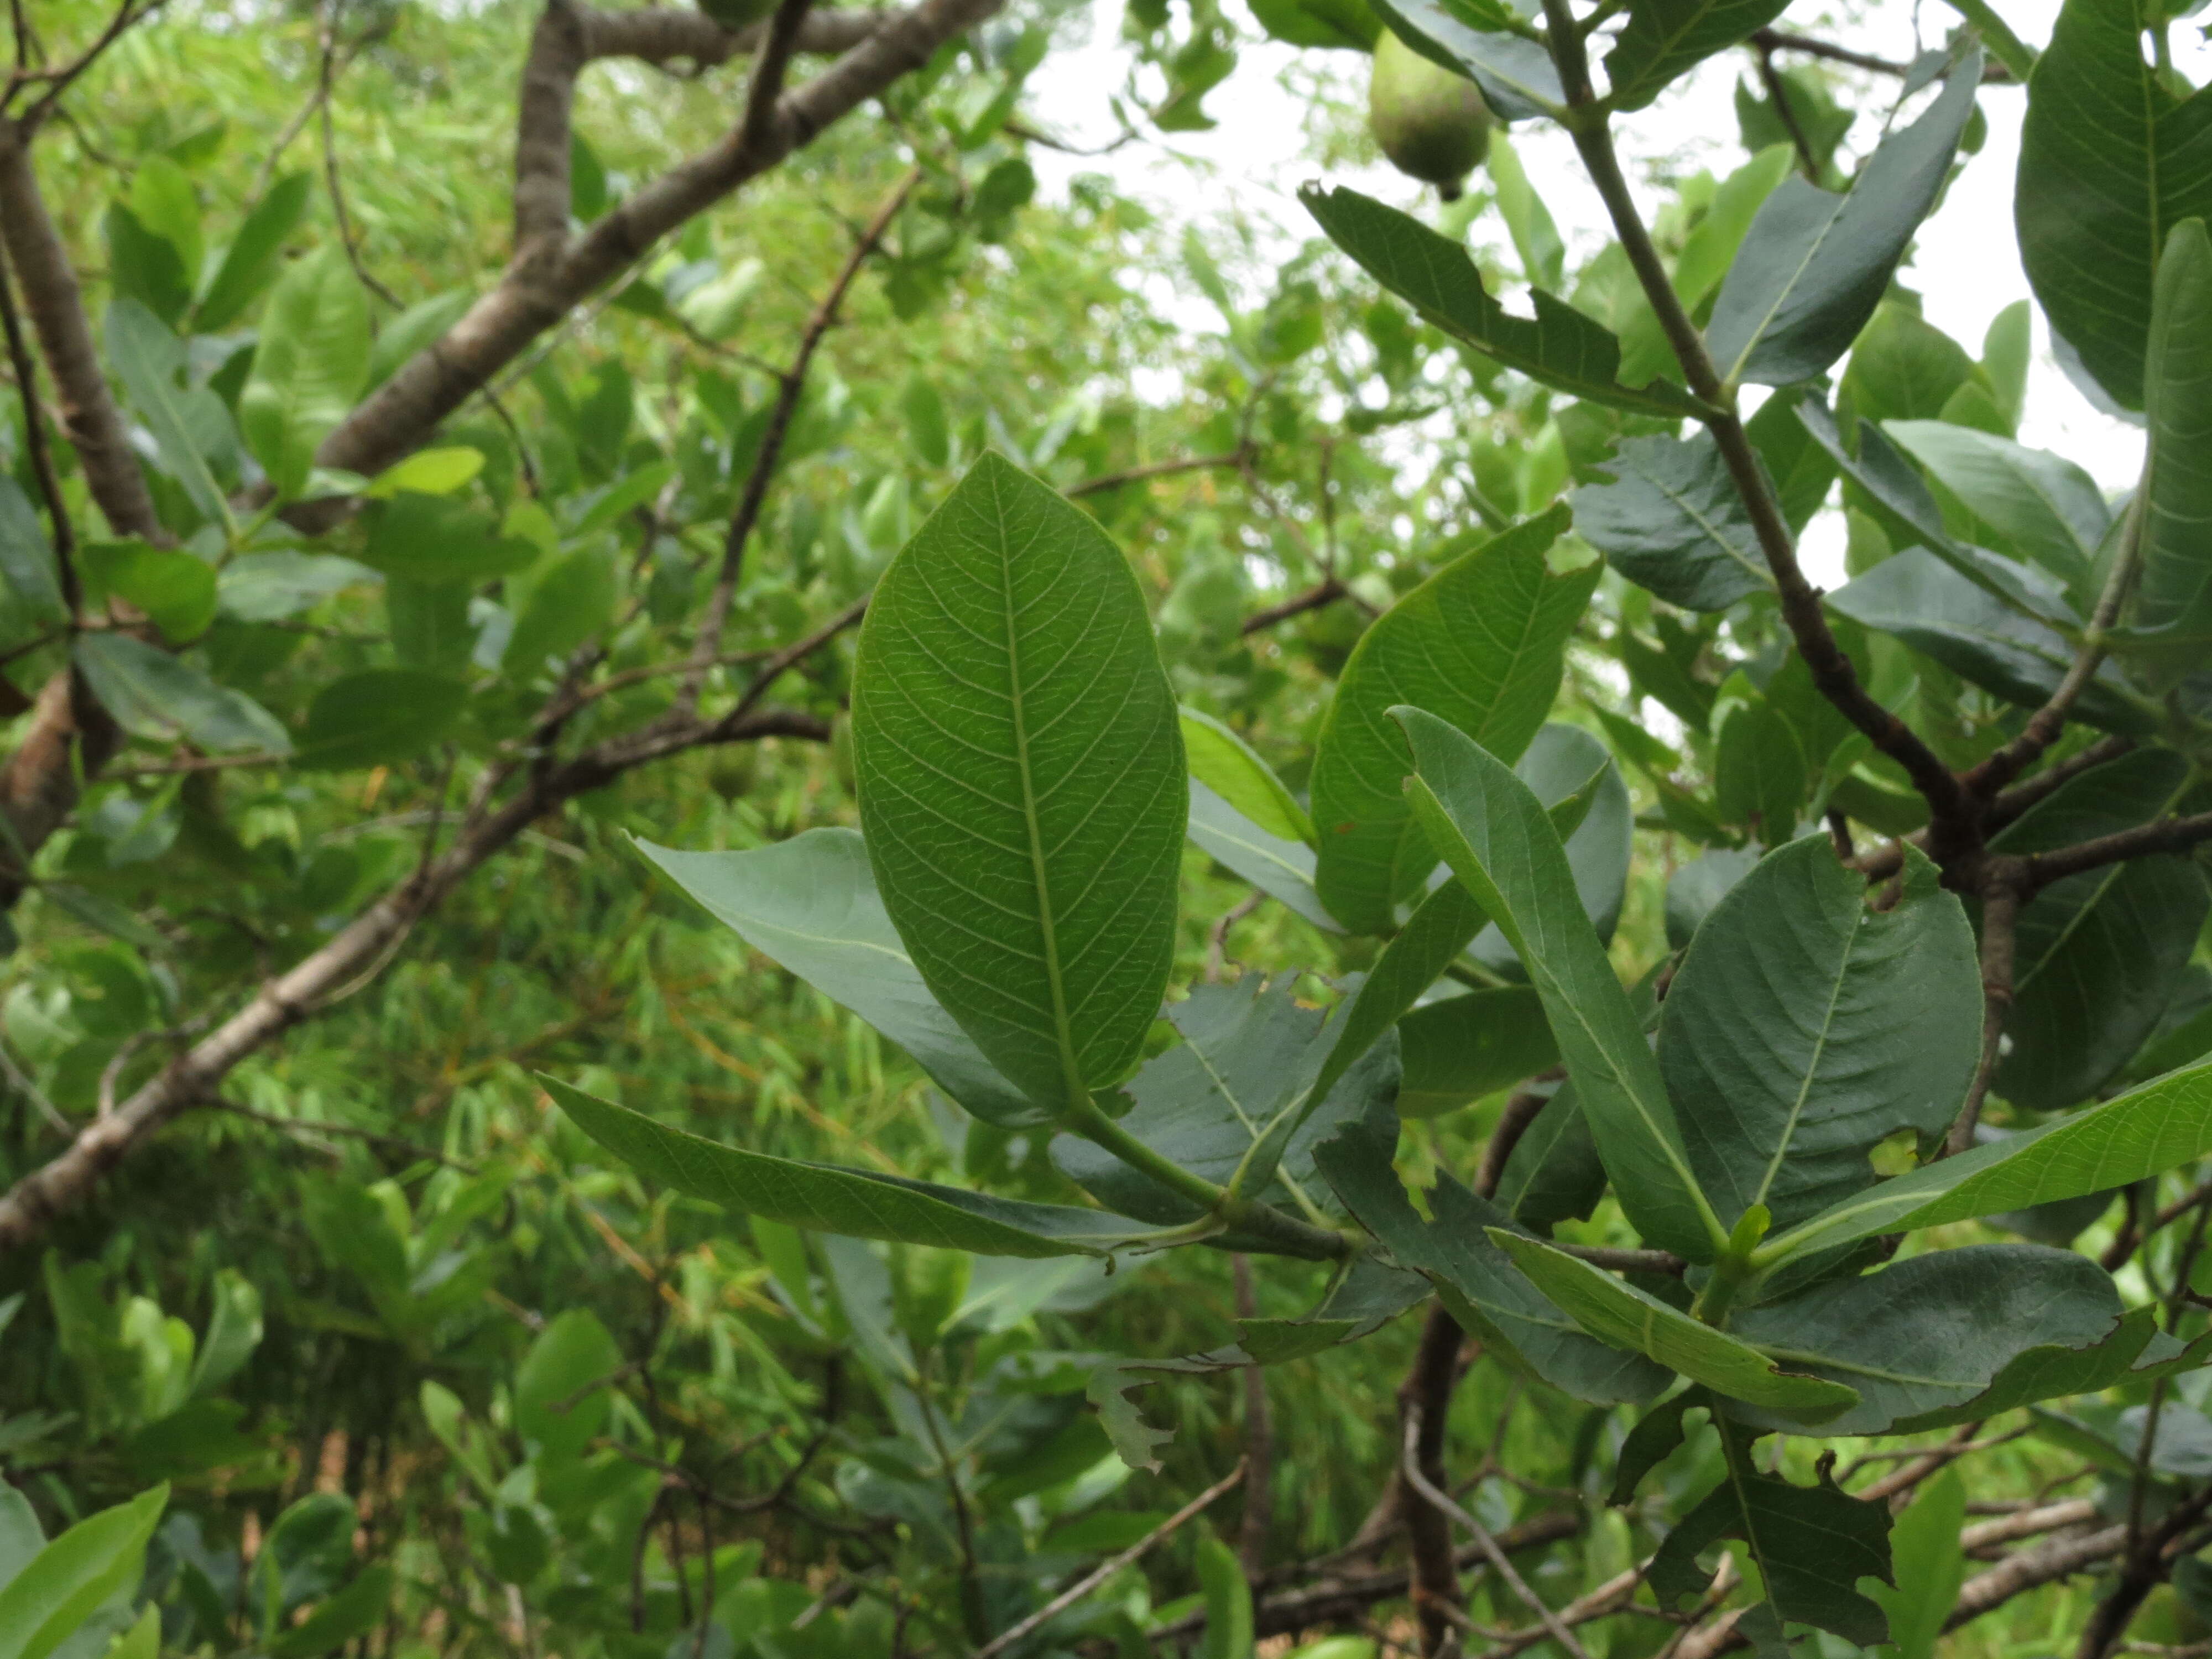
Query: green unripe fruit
x=1431 y=124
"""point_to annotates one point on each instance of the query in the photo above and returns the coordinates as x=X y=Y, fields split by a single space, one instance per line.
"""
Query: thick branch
x=2033 y=871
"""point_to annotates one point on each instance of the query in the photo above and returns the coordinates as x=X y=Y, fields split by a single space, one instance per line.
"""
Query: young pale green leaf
x=1228 y=1601
x=160 y=697
x=310 y=365
x=252 y=261
x=42 y=1606
x=1931 y=1566
x=1814 y=264
x=1478 y=1283
x=1281 y=869
x=1515 y=74
x=2112 y=158
x=1022 y=780
x=148 y=358
x=809 y=904
x=2096 y=955
x=1482 y=644
x=1616 y=1312
x=1804 y=1026
x=1559 y=346
x=2173 y=595
x=2050 y=509
x=825 y=1198
x=1923 y=1338
x=1224 y=764
x=177 y=591
x=26 y=560
x=1456 y=1051
x=1527 y=221
x=1498 y=840
x=1666 y=38
x=1813 y=1545
x=2145 y=1132
x=1671 y=521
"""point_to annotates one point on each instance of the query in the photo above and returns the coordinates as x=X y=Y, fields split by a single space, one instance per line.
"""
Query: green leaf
x=311 y=364
x=2096 y=955
x=1925 y=1340
x=1535 y=237
x=1931 y=1566
x=354 y=1611
x=1478 y=1283
x=413 y=331
x=436 y=542
x=250 y=264
x=1570 y=773
x=1758 y=772
x=1814 y=264
x=142 y=1640
x=21 y=1536
x=1482 y=644
x=560 y=605
x=1671 y=521
x=1619 y=1313
x=1459 y=1049
x=1228 y=1601
x=1225 y=764
x=1022 y=780
x=2052 y=510
x=2163 y=1124
x=2174 y=593
x=1135 y=1442
x=1515 y=74
x=558 y=1411
x=1658 y=1436
x=1805 y=1026
x=148 y=358
x=1916 y=597
x=1558 y=347
x=1446 y=921
x=442 y=472
x=1554 y=1173
x=164 y=203
x=268 y=587
x=1812 y=1545
x=233 y=1332
x=160 y=698
x=1666 y=39
x=143 y=267
x=27 y=559
x=1250 y=1060
x=379 y=717
x=176 y=590
x=1367 y=1298
x=809 y=904
x=41 y=1606
x=2112 y=158
x=1498 y=840
x=826 y=1198
x=1281 y=869
x=1711 y=247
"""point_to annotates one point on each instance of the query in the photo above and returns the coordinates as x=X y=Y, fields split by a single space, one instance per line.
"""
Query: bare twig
x=2000 y=919
x=1259 y=1438
x=1233 y=459
x=1327 y=591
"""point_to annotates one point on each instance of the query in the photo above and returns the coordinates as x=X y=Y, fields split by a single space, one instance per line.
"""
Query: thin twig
x=1327 y=591
x=1232 y=459
x=2000 y=919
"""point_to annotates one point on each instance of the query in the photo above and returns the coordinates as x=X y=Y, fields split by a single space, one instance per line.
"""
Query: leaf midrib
x=1812 y=1066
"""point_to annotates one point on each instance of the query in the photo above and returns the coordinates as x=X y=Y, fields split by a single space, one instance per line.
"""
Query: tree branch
x=2000 y=920
x=2033 y=871
x=1326 y=592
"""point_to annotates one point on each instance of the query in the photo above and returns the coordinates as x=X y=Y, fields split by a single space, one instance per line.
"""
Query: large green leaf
x=1481 y=644
x=160 y=697
x=1280 y=868
x=1806 y=1025
x=2112 y=158
x=1812 y=1545
x=1463 y=1048
x=379 y=717
x=250 y=264
x=2148 y=1130
x=1814 y=264
x=42 y=1604
x=1571 y=774
x=1559 y=346
x=826 y=1198
x=1666 y=39
x=1477 y=1281
x=1928 y=1337
x=1411 y=963
x=2050 y=509
x=439 y=542
x=148 y=358
x=26 y=560
x=1554 y=1173
x=809 y=904
x=1619 y=1313
x=1759 y=775
x=1022 y=782
x=1498 y=840
x=2173 y=594
x=2096 y=955
x=1225 y=764
x=1671 y=520
x=311 y=364
x=1515 y=74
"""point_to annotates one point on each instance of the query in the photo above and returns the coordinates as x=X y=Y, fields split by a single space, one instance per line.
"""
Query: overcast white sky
x=1966 y=263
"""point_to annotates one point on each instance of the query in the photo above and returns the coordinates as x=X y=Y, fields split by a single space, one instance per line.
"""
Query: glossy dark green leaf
x=2173 y=594
x=1498 y=840
x=1348 y=24
x=1804 y=1026
x=1814 y=264
x=1515 y=74
x=1478 y=1283
x=1618 y=1313
x=379 y=717
x=2097 y=955
x=1457 y=1050
x=1281 y=869
x=160 y=697
x=252 y=261
x=1482 y=644
x=1666 y=39
x=824 y=1198
x=1022 y=780
x=1927 y=1337
x=2050 y=509
x=1559 y=346
x=1812 y=1545
x=2112 y=158
x=1554 y=1173
x=809 y=904
x=1226 y=764
x=1671 y=521
x=148 y=358
x=27 y=559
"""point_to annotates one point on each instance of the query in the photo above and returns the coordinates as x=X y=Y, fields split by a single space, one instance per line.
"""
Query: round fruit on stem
x=1431 y=124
